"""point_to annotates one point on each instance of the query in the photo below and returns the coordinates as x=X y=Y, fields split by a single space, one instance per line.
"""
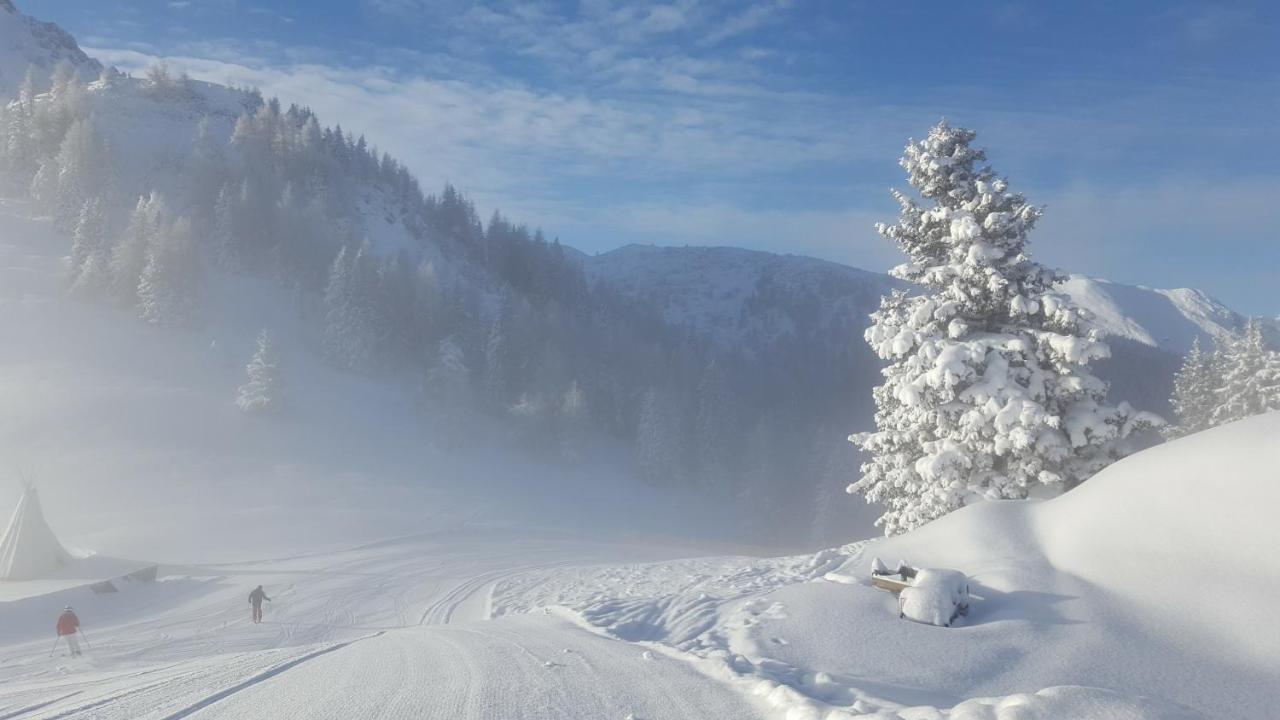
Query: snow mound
x=1186 y=532
x=1183 y=533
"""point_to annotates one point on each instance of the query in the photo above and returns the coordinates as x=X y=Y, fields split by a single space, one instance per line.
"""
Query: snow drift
x=1144 y=593
x=1185 y=533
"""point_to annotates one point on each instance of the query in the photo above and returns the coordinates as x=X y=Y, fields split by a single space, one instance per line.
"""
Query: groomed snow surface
x=416 y=573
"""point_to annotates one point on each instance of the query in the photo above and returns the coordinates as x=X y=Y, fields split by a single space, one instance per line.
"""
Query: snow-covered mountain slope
x=1153 y=583
x=733 y=294
x=1168 y=319
x=132 y=433
x=25 y=42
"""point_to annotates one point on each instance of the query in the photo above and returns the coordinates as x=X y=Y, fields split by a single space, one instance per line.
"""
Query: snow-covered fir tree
x=1194 y=393
x=1248 y=377
x=988 y=392
x=82 y=172
x=264 y=392
x=353 y=329
x=171 y=283
x=129 y=255
x=449 y=377
x=21 y=155
x=88 y=267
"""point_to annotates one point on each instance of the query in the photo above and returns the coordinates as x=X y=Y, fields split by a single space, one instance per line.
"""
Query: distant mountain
x=763 y=302
x=724 y=291
x=27 y=42
x=740 y=297
x=1167 y=319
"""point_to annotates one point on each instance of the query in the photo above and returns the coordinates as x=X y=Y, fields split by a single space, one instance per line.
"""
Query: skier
x=68 y=625
x=255 y=599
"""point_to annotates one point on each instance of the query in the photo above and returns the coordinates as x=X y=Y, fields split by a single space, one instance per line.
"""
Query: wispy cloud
x=612 y=121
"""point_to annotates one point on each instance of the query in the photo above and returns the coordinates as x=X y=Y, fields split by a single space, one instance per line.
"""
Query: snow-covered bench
x=934 y=596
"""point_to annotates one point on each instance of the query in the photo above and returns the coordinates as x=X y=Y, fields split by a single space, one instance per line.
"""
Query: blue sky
x=1148 y=129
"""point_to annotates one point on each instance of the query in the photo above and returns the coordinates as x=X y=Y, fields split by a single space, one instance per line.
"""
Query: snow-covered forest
x=418 y=289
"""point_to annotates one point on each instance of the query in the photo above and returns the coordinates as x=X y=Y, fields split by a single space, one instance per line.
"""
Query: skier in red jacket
x=68 y=625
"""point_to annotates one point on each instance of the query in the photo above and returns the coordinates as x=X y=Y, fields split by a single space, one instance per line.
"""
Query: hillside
x=27 y=42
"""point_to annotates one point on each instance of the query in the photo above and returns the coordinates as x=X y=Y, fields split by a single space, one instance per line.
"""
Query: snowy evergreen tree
x=21 y=154
x=88 y=269
x=449 y=376
x=169 y=288
x=498 y=353
x=130 y=254
x=988 y=392
x=352 y=327
x=223 y=235
x=1247 y=375
x=264 y=392
x=82 y=169
x=339 y=316
x=1194 y=393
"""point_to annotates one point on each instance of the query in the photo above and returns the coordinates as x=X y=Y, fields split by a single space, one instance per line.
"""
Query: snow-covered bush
x=988 y=391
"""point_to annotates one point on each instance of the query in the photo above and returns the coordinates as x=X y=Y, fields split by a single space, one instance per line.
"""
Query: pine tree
x=82 y=166
x=129 y=256
x=88 y=270
x=223 y=236
x=498 y=379
x=338 y=316
x=170 y=285
x=988 y=391
x=449 y=376
x=1194 y=389
x=264 y=392
x=20 y=150
x=1245 y=377
x=353 y=328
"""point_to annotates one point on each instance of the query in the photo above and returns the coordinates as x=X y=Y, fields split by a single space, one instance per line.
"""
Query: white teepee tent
x=29 y=549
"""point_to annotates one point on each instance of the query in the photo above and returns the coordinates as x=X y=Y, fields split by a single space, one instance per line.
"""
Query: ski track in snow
x=378 y=621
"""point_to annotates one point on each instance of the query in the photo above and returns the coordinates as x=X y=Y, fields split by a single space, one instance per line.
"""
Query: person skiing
x=68 y=625
x=255 y=599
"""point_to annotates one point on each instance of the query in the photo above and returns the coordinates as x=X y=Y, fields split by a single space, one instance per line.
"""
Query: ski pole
x=55 y=644
x=86 y=639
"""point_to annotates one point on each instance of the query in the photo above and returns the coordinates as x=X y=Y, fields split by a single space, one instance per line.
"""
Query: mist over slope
x=133 y=437
x=732 y=372
x=196 y=188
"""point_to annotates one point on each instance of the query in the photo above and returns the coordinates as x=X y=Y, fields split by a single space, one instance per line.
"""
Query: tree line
x=489 y=314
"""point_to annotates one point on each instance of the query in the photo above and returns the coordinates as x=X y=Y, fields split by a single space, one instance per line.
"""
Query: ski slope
x=391 y=629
